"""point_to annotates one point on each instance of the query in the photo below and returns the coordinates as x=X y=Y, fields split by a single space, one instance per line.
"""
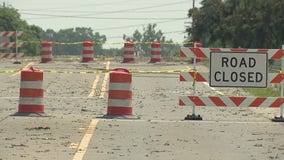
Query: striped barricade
x=195 y=76
x=6 y=45
x=11 y=33
x=11 y=45
x=205 y=52
x=265 y=102
x=11 y=55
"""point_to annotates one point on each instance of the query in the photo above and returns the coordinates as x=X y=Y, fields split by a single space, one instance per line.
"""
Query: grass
x=263 y=92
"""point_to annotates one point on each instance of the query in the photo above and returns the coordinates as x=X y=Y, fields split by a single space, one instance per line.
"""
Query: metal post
x=194 y=61
x=194 y=86
x=193 y=116
x=16 y=46
x=281 y=118
x=281 y=87
x=17 y=62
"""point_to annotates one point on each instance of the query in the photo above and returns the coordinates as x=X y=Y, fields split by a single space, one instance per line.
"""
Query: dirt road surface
x=74 y=130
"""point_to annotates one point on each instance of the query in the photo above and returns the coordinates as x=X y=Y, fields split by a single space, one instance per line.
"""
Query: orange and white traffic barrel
x=88 y=51
x=120 y=92
x=156 y=52
x=31 y=92
x=128 y=55
x=46 y=52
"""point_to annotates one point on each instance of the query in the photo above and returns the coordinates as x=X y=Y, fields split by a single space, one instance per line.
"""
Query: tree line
x=143 y=41
x=64 y=39
x=238 y=23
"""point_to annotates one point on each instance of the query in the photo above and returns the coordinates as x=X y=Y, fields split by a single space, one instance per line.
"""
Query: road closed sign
x=234 y=69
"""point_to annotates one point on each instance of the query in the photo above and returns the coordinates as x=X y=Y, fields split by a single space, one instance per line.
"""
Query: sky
x=112 y=18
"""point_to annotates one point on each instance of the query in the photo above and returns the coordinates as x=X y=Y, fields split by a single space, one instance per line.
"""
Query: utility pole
x=193 y=6
x=193 y=14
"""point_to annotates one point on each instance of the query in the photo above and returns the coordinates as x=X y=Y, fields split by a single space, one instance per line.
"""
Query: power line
x=76 y=6
x=148 y=7
x=136 y=25
x=98 y=12
x=135 y=9
x=174 y=32
x=104 y=18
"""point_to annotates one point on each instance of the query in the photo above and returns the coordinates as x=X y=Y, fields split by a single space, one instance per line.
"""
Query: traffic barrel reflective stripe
x=120 y=92
x=116 y=104
x=129 y=50
x=31 y=101
x=88 y=57
x=128 y=55
x=128 y=58
x=88 y=51
x=31 y=91
x=46 y=52
x=31 y=84
x=156 y=52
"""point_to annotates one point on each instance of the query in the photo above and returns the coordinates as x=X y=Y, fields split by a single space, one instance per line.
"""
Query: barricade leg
x=280 y=118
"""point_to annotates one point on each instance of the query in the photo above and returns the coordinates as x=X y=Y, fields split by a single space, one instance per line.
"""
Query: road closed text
x=238 y=76
x=238 y=70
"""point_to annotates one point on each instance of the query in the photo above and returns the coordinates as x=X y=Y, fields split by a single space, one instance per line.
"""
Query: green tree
x=143 y=40
x=71 y=40
x=242 y=23
x=99 y=40
x=31 y=38
x=10 y=20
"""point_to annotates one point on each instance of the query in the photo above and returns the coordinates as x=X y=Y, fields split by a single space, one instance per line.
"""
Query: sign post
x=281 y=118
x=281 y=90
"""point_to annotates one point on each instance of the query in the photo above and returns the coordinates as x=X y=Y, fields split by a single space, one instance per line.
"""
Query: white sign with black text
x=234 y=69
